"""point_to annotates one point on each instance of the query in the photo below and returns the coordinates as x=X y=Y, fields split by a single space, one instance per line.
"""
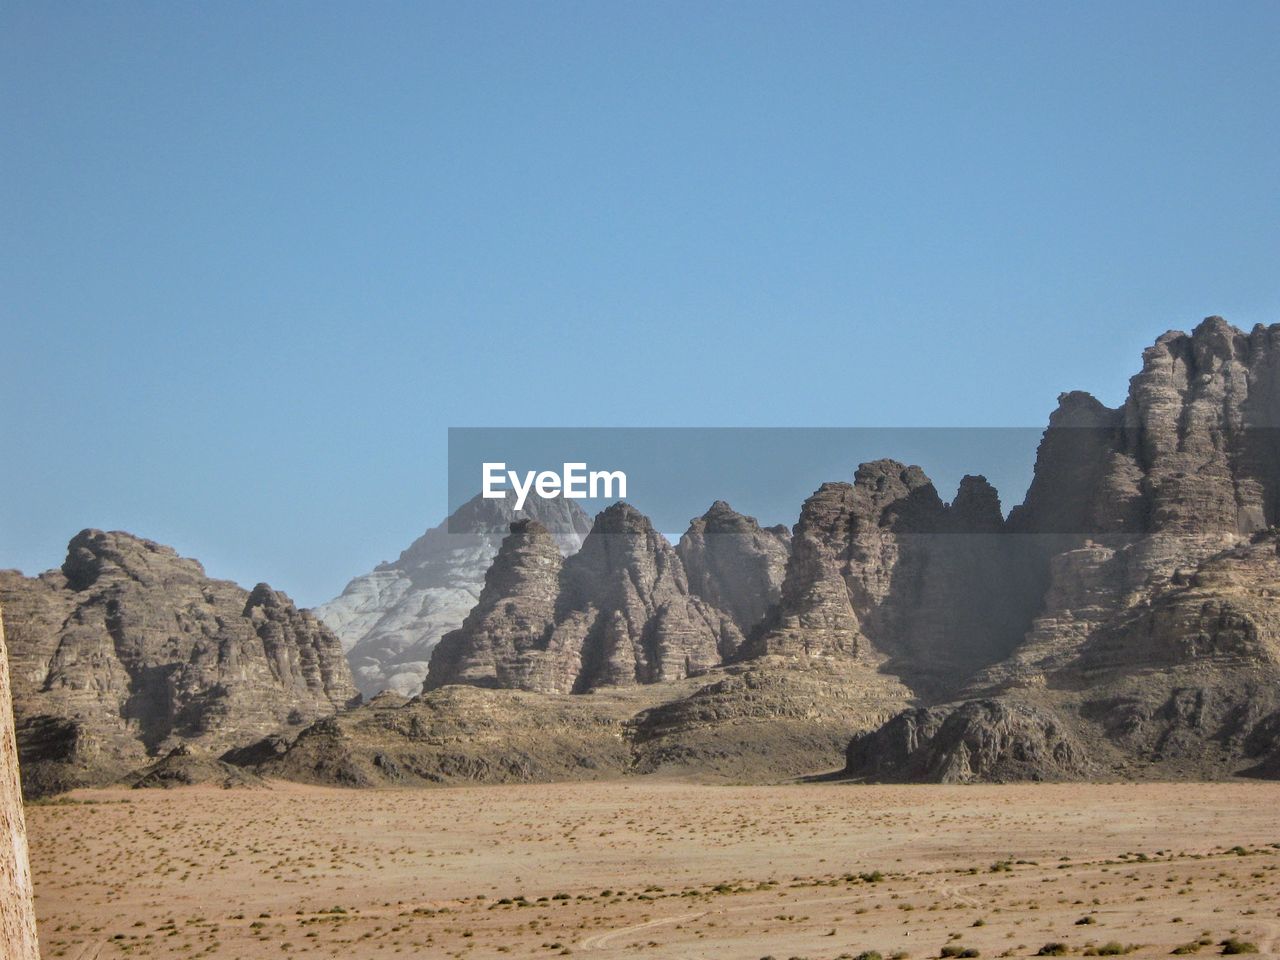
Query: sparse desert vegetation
x=660 y=869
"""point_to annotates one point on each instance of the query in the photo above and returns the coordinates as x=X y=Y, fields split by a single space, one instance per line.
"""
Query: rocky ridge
x=617 y=612
x=1123 y=621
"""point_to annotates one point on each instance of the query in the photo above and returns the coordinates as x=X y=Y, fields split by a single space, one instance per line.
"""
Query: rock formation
x=735 y=565
x=617 y=612
x=989 y=740
x=883 y=570
x=389 y=620
x=1123 y=621
x=505 y=640
x=1148 y=540
x=129 y=650
x=17 y=905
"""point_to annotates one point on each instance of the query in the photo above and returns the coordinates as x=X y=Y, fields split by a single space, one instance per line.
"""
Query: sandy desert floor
x=646 y=868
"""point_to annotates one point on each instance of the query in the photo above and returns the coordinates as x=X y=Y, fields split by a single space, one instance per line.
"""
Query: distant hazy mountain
x=389 y=620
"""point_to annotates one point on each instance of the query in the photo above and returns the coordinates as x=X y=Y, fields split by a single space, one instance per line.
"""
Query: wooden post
x=17 y=908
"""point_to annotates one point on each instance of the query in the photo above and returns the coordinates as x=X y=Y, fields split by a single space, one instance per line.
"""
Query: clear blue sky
x=258 y=257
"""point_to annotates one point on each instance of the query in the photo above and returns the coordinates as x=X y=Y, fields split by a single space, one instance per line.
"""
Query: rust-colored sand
x=658 y=869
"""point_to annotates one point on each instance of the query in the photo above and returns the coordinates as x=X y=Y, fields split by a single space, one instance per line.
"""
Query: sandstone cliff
x=884 y=573
x=129 y=650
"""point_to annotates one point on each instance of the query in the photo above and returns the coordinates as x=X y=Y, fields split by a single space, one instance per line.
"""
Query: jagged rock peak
x=734 y=564
x=563 y=518
x=503 y=640
x=621 y=517
x=894 y=495
x=526 y=549
x=619 y=612
x=976 y=508
x=1079 y=408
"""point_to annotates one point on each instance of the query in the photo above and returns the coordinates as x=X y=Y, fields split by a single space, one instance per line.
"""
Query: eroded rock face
x=1148 y=535
x=981 y=740
x=504 y=640
x=390 y=620
x=883 y=570
x=618 y=612
x=1122 y=500
x=129 y=650
x=735 y=565
x=626 y=595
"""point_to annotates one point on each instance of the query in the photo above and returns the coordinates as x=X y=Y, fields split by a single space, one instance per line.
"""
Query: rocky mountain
x=390 y=619
x=1149 y=539
x=129 y=651
x=617 y=612
x=1122 y=622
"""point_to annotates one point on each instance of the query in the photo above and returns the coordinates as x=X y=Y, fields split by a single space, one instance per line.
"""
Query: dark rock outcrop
x=980 y=740
x=130 y=650
x=183 y=767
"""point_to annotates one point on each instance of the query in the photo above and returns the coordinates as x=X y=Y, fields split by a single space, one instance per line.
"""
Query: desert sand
x=658 y=869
